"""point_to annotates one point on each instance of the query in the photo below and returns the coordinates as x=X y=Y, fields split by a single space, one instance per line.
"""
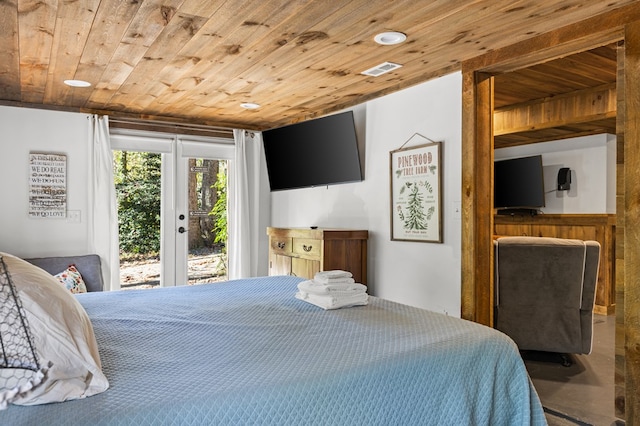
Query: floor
x=583 y=393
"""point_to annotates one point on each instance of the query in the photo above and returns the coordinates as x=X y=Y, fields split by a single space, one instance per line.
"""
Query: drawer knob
x=306 y=248
x=281 y=244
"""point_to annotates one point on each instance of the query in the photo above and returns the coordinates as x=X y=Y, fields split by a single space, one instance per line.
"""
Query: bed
x=248 y=352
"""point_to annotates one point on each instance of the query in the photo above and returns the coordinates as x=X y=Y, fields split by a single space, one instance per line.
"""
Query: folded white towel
x=331 y=302
x=337 y=280
x=336 y=273
x=312 y=286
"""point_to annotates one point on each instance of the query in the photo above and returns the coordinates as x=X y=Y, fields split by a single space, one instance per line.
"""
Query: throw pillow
x=72 y=280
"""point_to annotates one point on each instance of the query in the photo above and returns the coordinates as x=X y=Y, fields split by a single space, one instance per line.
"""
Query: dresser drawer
x=308 y=247
x=280 y=245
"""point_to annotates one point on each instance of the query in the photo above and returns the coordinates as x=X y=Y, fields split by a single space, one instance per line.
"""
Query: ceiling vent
x=383 y=68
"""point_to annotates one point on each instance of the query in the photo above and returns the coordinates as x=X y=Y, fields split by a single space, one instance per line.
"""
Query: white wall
x=592 y=160
x=420 y=274
x=31 y=130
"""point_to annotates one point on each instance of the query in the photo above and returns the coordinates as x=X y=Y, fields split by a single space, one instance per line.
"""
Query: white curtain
x=103 y=212
x=248 y=208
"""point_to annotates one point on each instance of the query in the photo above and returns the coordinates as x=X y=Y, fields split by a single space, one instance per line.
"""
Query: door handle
x=182 y=230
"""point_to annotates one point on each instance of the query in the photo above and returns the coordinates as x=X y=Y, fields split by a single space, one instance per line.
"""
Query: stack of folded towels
x=333 y=290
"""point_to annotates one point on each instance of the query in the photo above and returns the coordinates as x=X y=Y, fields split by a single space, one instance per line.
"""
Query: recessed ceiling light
x=77 y=83
x=249 y=105
x=390 y=37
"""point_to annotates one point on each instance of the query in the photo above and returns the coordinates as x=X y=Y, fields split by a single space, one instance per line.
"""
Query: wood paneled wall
x=619 y=387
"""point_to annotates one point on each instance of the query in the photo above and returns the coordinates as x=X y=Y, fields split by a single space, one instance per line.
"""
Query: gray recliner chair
x=545 y=292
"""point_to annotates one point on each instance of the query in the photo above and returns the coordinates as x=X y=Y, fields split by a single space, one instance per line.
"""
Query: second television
x=518 y=185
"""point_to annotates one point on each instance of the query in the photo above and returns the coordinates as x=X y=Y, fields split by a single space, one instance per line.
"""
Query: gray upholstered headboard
x=88 y=265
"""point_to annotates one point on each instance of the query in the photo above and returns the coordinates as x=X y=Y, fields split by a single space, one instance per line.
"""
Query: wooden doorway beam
x=478 y=142
x=477 y=197
x=623 y=23
x=631 y=241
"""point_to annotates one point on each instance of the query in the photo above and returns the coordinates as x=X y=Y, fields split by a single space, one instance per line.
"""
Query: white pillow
x=62 y=334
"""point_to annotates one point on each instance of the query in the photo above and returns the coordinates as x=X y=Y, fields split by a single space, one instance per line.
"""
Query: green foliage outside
x=219 y=210
x=137 y=177
x=137 y=180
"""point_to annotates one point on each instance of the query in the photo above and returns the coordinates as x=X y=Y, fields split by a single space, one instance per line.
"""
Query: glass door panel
x=207 y=221
x=137 y=178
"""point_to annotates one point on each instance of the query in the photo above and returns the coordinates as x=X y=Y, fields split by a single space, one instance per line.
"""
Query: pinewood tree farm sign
x=416 y=208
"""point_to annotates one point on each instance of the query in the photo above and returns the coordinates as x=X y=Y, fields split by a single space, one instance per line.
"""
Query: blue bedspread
x=248 y=352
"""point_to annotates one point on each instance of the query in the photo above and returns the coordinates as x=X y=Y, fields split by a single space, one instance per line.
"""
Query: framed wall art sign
x=416 y=202
x=47 y=185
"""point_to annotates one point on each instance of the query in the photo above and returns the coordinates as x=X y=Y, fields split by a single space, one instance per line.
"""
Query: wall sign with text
x=47 y=185
x=416 y=208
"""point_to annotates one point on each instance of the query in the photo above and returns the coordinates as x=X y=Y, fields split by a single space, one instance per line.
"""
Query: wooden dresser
x=303 y=251
x=597 y=227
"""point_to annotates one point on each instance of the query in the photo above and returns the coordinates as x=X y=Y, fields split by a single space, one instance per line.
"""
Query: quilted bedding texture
x=248 y=352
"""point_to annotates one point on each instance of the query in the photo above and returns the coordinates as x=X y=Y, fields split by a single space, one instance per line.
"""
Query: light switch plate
x=73 y=216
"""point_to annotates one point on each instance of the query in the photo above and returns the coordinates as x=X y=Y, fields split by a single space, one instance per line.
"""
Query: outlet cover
x=456 y=208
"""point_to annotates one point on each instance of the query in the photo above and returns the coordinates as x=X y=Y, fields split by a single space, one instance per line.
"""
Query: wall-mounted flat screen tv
x=518 y=184
x=317 y=152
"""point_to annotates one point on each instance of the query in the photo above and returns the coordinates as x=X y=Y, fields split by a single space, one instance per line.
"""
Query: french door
x=200 y=256
x=187 y=165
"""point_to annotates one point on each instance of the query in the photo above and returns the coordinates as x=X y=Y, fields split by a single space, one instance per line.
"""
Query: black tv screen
x=317 y=152
x=518 y=183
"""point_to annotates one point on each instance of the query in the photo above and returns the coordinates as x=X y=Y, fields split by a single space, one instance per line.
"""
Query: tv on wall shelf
x=317 y=152
x=518 y=186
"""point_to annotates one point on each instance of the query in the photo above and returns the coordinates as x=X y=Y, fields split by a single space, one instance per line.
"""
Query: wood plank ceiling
x=196 y=61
